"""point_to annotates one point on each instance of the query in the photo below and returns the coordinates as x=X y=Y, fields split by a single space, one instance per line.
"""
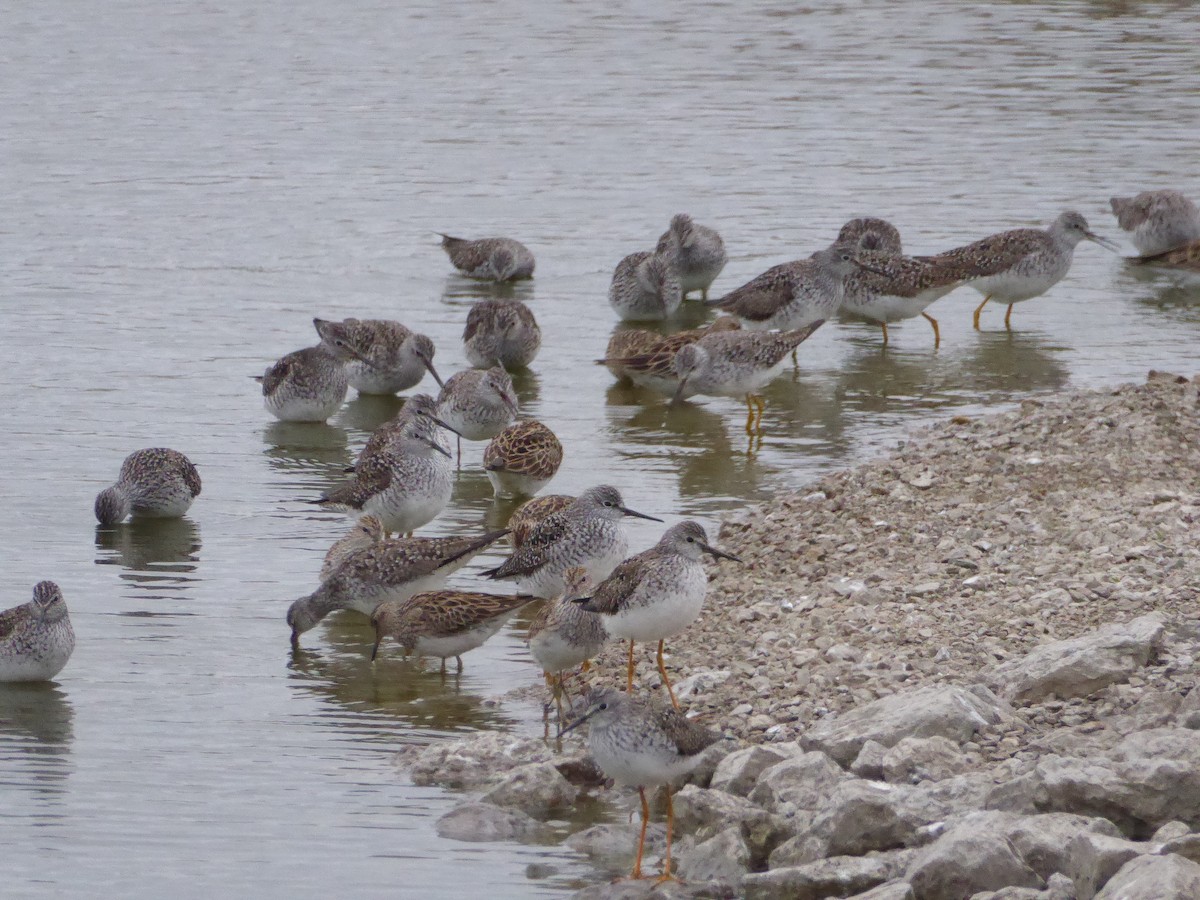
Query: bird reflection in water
x=366 y=412
x=36 y=733
x=156 y=553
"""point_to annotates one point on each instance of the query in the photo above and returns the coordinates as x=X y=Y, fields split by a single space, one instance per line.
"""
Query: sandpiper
x=645 y=286
x=390 y=570
x=309 y=385
x=501 y=330
x=526 y=516
x=414 y=418
x=737 y=364
x=640 y=744
x=489 y=259
x=153 y=483
x=391 y=358
x=563 y=635
x=658 y=593
x=648 y=359
x=1018 y=265
x=793 y=294
x=897 y=286
x=700 y=253
x=406 y=483
x=587 y=533
x=477 y=404
x=1158 y=221
x=366 y=532
x=443 y=623
x=36 y=638
x=522 y=459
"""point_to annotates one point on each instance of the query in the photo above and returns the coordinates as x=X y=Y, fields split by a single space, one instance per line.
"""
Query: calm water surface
x=187 y=184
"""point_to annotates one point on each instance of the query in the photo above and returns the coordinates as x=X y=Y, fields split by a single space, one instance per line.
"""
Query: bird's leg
x=795 y=362
x=937 y=334
x=666 y=872
x=749 y=417
x=883 y=325
x=457 y=659
x=979 y=309
x=637 y=866
x=1007 y=318
x=662 y=670
x=559 y=690
x=704 y=293
x=459 y=451
x=760 y=404
x=629 y=687
x=443 y=667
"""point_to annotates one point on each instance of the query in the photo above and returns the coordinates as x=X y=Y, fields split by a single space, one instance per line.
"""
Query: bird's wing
x=533 y=553
x=761 y=297
x=993 y=254
x=614 y=591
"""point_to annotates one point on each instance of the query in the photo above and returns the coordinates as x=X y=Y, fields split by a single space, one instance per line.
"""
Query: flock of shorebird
x=570 y=552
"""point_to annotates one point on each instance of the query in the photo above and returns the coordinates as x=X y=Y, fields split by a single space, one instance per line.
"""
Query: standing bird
x=489 y=259
x=896 y=287
x=366 y=532
x=737 y=364
x=526 y=516
x=1158 y=221
x=443 y=623
x=658 y=593
x=390 y=357
x=389 y=570
x=522 y=459
x=1018 y=265
x=36 y=638
x=647 y=358
x=587 y=533
x=793 y=294
x=501 y=330
x=639 y=744
x=154 y=483
x=414 y=417
x=563 y=635
x=645 y=286
x=700 y=253
x=477 y=404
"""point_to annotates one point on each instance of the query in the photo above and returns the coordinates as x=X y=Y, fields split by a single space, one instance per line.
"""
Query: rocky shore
x=967 y=669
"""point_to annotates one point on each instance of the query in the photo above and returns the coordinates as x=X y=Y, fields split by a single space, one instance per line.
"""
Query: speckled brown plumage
x=1158 y=222
x=522 y=457
x=646 y=357
x=444 y=623
x=501 y=330
x=489 y=259
x=526 y=516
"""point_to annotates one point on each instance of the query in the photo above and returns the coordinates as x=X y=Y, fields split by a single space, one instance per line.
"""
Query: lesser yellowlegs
x=1158 y=221
x=153 y=483
x=658 y=593
x=364 y=533
x=564 y=636
x=645 y=286
x=477 y=404
x=36 y=638
x=501 y=330
x=489 y=259
x=307 y=385
x=587 y=533
x=391 y=358
x=526 y=516
x=389 y=570
x=700 y=253
x=522 y=459
x=640 y=744
x=648 y=359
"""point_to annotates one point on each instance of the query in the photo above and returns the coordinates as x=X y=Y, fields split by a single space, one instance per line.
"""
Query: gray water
x=187 y=184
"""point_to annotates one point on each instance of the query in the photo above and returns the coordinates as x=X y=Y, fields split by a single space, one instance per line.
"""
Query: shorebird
x=526 y=516
x=36 y=638
x=896 y=286
x=406 y=480
x=443 y=623
x=587 y=533
x=522 y=459
x=1018 y=265
x=501 y=330
x=737 y=364
x=563 y=635
x=793 y=294
x=153 y=483
x=641 y=745
x=391 y=358
x=389 y=570
x=309 y=385
x=645 y=286
x=489 y=259
x=1158 y=221
x=416 y=417
x=658 y=593
x=700 y=253
x=647 y=358
x=366 y=532
x=477 y=404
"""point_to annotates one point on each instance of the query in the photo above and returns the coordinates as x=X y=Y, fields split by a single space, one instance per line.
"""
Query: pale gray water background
x=187 y=184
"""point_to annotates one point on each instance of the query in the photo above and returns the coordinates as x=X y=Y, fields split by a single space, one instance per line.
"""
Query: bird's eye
x=691 y=540
x=608 y=503
x=602 y=706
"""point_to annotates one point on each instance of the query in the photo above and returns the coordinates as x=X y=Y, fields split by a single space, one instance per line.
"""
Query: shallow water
x=187 y=185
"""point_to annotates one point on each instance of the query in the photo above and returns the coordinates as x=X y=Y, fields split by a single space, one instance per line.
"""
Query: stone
x=705 y=811
x=473 y=762
x=485 y=822
x=1187 y=846
x=738 y=772
x=972 y=856
x=914 y=759
x=702 y=772
x=938 y=711
x=1154 y=878
x=700 y=683
x=1044 y=841
x=837 y=876
x=1082 y=665
x=536 y=789
x=1095 y=858
x=889 y=890
x=869 y=762
x=860 y=816
x=801 y=782
x=613 y=848
x=723 y=858
x=1169 y=832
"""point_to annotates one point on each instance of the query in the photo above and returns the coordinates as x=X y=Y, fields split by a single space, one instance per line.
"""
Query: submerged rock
x=485 y=822
x=536 y=789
